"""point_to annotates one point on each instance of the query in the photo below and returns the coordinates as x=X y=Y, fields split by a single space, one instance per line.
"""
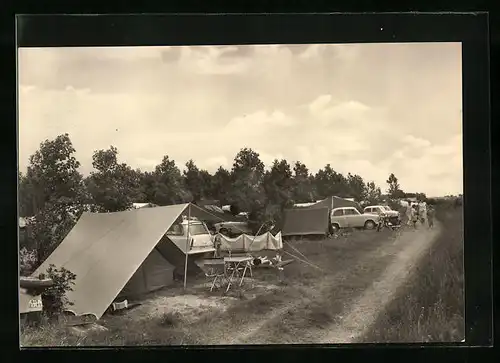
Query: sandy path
x=246 y=336
x=365 y=309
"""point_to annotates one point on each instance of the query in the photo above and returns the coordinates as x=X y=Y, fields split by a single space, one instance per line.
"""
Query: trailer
x=30 y=296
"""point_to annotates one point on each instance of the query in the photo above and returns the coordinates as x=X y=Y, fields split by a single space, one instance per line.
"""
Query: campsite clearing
x=313 y=302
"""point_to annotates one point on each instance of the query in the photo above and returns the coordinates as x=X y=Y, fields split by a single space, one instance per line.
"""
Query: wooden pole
x=187 y=246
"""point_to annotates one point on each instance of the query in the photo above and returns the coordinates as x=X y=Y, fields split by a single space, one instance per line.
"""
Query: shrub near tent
x=55 y=298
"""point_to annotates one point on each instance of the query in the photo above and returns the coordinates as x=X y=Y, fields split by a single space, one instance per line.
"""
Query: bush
x=27 y=261
x=54 y=298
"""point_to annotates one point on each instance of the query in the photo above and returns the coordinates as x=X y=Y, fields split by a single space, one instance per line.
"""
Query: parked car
x=199 y=239
x=350 y=217
x=393 y=216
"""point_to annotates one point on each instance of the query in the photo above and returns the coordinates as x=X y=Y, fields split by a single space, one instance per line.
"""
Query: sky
x=369 y=109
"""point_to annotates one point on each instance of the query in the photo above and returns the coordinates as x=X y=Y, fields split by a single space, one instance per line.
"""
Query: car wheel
x=335 y=227
x=369 y=225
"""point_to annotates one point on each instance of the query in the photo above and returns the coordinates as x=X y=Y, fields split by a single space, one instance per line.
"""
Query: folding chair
x=213 y=269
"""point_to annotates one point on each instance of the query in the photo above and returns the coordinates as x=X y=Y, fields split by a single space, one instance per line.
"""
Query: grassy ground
x=307 y=295
x=430 y=307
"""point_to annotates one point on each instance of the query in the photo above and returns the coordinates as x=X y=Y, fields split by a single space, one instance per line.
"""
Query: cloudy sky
x=369 y=109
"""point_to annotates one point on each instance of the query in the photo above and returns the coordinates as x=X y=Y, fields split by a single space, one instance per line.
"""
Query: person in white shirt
x=422 y=212
x=408 y=213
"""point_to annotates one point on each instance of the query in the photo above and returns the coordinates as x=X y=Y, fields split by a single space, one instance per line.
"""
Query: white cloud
x=146 y=164
x=208 y=60
x=341 y=53
x=416 y=142
x=117 y=53
x=319 y=104
x=268 y=159
x=340 y=113
x=435 y=167
x=213 y=163
x=255 y=121
x=26 y=88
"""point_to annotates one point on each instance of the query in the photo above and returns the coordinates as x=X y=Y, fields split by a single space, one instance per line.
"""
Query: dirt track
x=364 y=310
x=382 y=272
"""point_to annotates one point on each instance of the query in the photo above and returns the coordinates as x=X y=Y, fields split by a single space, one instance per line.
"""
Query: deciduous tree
x=303 y=184
x=221 y=186
x=373 y=193
x=113 y=186
x=357 y=187
x=247 y=177
x=394 y=190
x=165 y=186
x=57 y=193
x=198 y=182
x=278 y=183
x=328 y=182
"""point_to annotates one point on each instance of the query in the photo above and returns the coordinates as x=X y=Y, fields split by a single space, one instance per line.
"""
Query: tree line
x=56 y=193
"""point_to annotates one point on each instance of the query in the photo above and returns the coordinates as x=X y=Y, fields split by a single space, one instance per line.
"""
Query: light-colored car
x=350 y=217
x=381 y=209
x=385 y=211
x=199 y=239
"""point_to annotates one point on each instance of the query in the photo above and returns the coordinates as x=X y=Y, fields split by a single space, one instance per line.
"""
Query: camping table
x=235 y=263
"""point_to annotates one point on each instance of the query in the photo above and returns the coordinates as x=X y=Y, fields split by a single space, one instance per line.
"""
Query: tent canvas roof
x=105 y=249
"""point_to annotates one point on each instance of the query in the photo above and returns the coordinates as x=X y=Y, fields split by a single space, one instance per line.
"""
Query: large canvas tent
x=112 y=251
x=306 y=221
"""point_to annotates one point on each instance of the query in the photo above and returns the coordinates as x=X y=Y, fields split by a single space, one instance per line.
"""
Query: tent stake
x=187 y=246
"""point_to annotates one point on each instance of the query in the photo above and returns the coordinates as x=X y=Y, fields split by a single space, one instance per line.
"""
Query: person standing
x=414 y=216
x=408 y=213
x=422 y=212
x=430 y=216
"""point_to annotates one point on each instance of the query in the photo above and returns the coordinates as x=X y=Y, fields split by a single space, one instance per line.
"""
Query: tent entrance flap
x=154 y=273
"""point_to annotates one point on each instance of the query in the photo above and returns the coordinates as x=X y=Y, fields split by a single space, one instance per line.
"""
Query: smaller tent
x=313 y=218
x=306 y=221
